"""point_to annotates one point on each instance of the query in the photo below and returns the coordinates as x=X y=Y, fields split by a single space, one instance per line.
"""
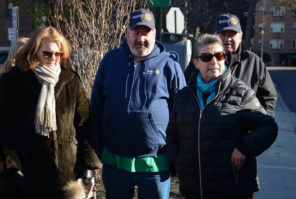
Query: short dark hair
x=204 y=40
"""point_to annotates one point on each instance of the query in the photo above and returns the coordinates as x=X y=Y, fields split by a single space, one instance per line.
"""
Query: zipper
x=199 y=159
x=198 y=137
x=128 y=95
x=198 y=143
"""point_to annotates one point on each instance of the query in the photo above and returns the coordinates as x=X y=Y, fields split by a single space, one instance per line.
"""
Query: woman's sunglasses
x=48 y=54
x=206 y=57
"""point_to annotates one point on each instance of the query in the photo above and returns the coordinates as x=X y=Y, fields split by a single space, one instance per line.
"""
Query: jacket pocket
x=143 y=135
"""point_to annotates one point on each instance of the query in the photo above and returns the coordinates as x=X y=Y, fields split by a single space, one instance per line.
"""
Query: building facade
x=28 y=18
x=275 y=25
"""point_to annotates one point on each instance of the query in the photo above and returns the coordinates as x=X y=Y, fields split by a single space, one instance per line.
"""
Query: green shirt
x=137 y=164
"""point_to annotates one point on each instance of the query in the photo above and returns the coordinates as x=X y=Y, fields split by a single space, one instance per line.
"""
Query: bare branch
x=93 y=27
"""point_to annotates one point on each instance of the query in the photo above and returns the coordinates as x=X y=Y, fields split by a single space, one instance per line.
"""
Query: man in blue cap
x=131 y=100
x=244 y=64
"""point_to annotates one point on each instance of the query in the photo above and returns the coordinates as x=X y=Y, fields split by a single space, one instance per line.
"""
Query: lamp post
x=262 y=30
x=262 y=43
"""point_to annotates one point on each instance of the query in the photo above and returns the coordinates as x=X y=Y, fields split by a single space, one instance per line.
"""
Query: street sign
x=175 y=20
x=158 y=3
x=12 y=34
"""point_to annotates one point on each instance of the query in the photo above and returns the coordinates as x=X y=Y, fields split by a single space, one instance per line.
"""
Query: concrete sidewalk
x=277 y=165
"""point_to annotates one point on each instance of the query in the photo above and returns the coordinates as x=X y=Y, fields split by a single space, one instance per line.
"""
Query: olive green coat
x=47 y=163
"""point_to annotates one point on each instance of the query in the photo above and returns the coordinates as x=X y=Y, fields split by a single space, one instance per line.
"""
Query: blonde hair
x=27 y=58
x=15 y=49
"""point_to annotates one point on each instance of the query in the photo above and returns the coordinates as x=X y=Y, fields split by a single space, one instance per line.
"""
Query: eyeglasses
x=48 y=54
x=206 y=57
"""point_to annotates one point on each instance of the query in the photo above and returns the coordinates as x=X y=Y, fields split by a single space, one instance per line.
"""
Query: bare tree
x=93 y=27
x=291 y=3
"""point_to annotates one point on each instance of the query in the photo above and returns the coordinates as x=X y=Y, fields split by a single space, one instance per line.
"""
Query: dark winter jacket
x=47 y=163
x=131 y=101
x=200 y=143
x=249 y=68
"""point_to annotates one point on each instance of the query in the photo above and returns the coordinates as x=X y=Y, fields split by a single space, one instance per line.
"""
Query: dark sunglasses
x=48 y=54
x=206 y=57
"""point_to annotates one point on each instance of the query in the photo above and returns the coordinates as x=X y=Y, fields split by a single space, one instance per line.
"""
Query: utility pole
x=13 y=32
x=249 y=26
x=262 y=30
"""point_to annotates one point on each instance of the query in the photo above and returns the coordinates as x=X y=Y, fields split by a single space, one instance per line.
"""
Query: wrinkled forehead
x=229 y=33
x=211 y=48
x=48 y=44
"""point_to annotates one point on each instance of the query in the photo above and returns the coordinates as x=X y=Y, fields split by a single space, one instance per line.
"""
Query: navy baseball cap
x=228 y=21
x=142 y=17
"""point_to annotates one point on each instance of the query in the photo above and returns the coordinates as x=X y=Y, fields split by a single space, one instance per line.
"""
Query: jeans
x=119 y=184
x=250 y=196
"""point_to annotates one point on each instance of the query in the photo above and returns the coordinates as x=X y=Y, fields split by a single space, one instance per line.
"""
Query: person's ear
x=194 y=61
x=127 y=31
x=241 y=36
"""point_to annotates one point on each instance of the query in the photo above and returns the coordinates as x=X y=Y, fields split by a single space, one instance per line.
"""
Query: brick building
x=25 y=25
x=278 y=33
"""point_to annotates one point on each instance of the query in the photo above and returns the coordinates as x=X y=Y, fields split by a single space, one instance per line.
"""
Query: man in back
x=244 y=64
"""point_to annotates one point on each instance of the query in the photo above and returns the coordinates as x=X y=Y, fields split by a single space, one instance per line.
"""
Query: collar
x=65 y=77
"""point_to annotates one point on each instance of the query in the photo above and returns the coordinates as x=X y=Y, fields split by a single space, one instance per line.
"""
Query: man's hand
x=237 y=158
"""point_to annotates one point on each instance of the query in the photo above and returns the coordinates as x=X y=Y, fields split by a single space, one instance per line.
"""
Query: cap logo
x=233 y=20
x=148 y=16
x=138 y=16
x=224 y=21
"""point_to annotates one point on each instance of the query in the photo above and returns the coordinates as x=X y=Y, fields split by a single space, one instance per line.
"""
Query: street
x=277 y=166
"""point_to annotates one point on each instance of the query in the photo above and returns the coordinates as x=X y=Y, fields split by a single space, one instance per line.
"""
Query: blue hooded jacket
x=131 y=101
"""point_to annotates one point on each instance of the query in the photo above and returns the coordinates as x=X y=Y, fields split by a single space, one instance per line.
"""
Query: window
x=276 y=43
x=294 y=43
x=277 y=27
x=261 y=10
x=278 y=11
x=294 y=27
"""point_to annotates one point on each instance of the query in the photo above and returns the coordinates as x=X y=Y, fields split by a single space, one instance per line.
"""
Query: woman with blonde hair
x=16 y=48
x=46 y=135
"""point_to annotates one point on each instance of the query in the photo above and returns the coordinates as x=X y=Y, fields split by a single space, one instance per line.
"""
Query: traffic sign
x=12 y=34
x=158 y=3
x=175 y=20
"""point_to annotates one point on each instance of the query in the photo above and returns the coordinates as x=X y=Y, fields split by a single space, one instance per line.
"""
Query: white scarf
x=45 y=116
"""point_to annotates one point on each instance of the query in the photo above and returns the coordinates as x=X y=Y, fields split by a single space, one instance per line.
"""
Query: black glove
x=16 y=185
